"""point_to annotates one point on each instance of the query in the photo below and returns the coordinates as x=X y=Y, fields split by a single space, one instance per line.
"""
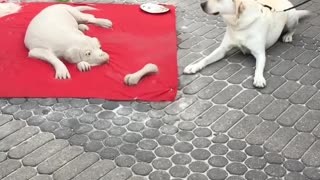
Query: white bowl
x=154 y=8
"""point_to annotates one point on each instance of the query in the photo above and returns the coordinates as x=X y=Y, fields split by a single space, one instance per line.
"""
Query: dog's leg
x=83 y=18
x=83 y=27
x=258 y=80
x=225 y=46
x=46 y=55
x=290 y=26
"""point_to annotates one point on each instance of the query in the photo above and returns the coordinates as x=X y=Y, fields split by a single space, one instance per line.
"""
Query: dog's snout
x=105 y=57
x=204 y=6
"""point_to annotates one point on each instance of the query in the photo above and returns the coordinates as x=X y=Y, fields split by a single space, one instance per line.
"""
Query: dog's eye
x=88 y=53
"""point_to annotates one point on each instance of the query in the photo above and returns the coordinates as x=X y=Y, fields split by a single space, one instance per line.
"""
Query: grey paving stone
x=185 y=136
x=200 y=154
x=10 y=109
x=195 y=110
x=312 y=173
x=279 y=48
x=41 y=177
x=276 y=108
x=274 y=158
x=63 y=133
x=303 y=95
x=10 y=127
x=55 y=116
x=4 y=118
x=44 y=152
x=255 y=174
x=227 y=71
x=218 y=149
x=8 y=166
x=98 y=135
x=255 y=150
x=315 y=63
x=179 y=171
x=197 y=85
x=92 y=108
x=256 y=163
x=116 y=131
x=169 y=129
x=49 y=126
x=159 y=175
x=28 y=146
x=17 y=101
x=220 y=138
x=78 y=139
x=201 y=142
x=293 y=165
x=236 y=168
x=308 y=122
x=22 y=115
x=74 y=112
x=280 y=139
x=211 y=90
x=226 y=94
x=164 y=151
x=274 y=82
x=236 y=144
x=282 y=68
x=275 y=170
x=218 y=161
x=88 y=118
x=286 y=90
x=242 y=99
x=258 y=104
x=29 y=105
x=211 y=115
x=311 y=157
x=236 y=156
x=145 y=156
x=245 y=126
x=186 y=126
x=161 y=163
x=202 y=132
x=217 y=173
x=17 y=137
x=97 y=170
x=110 y=105
x=198 y=166
x=93 y=146
x=262 y=132
x=292 y=115
x=197 y=176
x=76 y=166
x=22 y=173
x=110 y=153
x=3 y=156
x=102 y=124
x=135 y=126
x=180 y=105
x=311 y=77
x=151 y=133
x=298 y=146
x=170 y=119
x=184 y=80
x=124 y=111
x=183 y=147
x=142 y=168
x=294 y=176
x=241 y=75
x=227 y=121
x=59 y=159
x=297 y=72
x=306 y=57
x=292 y=53
x=314 y=102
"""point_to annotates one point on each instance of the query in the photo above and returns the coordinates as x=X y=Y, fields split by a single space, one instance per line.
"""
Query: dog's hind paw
x=259 y=82
x=83 y=66
x=62 y=72
x=192 y=68
x=287 y=38
x=83 y=27
x=104 y=23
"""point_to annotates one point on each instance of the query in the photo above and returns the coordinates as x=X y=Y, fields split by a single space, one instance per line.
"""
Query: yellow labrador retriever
x=252 y=26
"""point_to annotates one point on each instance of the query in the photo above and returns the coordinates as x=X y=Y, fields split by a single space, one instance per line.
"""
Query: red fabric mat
x=137 y=38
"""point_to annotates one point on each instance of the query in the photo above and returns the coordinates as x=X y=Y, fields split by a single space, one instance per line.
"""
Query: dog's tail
x=302 y=13
x=85 y=8
x=9 y=8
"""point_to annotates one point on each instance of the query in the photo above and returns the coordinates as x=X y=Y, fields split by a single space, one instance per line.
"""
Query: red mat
x=137 y=38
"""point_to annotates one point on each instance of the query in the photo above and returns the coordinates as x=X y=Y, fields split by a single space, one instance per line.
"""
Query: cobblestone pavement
x=220 y=127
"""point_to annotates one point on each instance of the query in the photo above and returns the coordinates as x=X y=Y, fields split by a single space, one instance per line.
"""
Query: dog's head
x=225 y=7
x=92 y=53
x=216 y=7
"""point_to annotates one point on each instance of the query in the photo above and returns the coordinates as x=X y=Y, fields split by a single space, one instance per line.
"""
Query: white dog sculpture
x=57 y=32
x=8 y=8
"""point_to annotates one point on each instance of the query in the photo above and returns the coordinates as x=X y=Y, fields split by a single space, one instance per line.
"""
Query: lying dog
x=57 y=32
x=8 y=8
x=251 y=26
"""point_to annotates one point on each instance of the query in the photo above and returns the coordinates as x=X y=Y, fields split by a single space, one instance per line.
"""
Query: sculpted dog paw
x=192 y=68
x=259 y=82
x=62 y=72
x=83 y=66
x=83 y=27
x=105 y=23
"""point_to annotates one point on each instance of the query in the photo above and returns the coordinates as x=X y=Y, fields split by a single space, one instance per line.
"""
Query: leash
x=269 y=7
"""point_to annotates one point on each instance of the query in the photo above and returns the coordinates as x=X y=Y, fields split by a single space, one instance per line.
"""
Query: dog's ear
x=240 y=7
x=96 y=41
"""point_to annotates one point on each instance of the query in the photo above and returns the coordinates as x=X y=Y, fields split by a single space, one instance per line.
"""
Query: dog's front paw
x=259 y=82
x=83 y=27
x=62 y=72
x=105 y=23
x=193 y=68
x=83 y=66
